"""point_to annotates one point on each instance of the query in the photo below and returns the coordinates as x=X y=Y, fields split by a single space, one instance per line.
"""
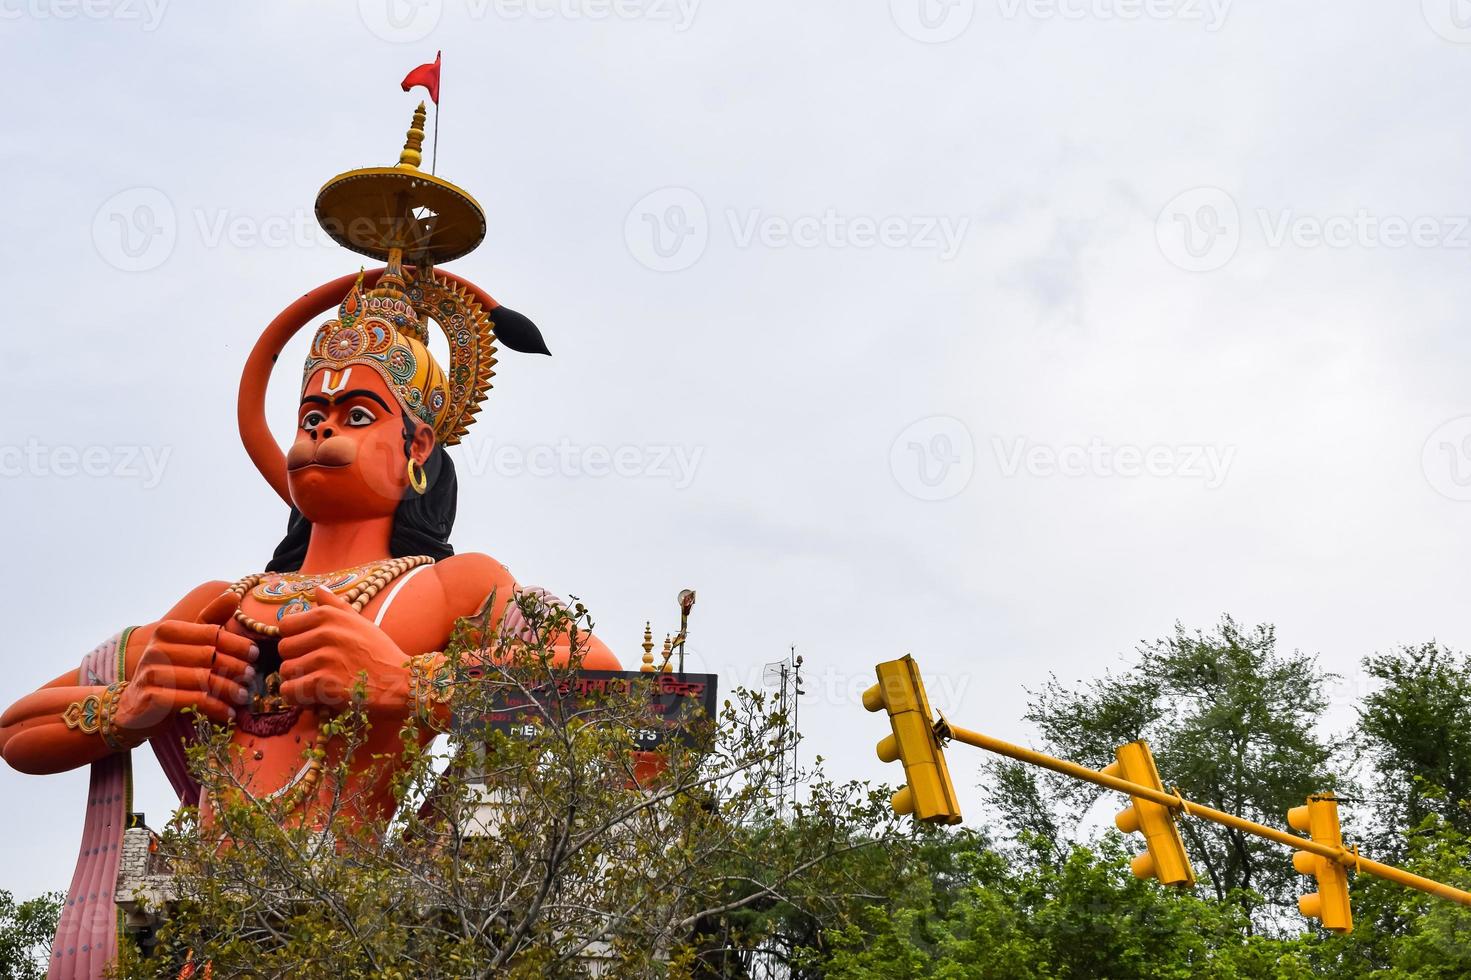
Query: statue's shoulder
x=469 y=578
x=194 y=601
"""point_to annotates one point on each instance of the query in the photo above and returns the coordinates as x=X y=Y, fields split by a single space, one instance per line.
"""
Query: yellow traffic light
x=1319 y=820
x=929 y=794
x=1165 y=858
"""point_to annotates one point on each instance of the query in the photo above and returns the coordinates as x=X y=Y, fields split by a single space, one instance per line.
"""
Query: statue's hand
x=331 y=647
x=189 y=665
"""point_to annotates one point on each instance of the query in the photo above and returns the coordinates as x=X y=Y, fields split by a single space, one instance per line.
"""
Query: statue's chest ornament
x=268 y=714
x=293 y=591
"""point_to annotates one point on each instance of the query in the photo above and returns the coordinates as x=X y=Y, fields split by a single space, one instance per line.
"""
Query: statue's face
x=348 y=461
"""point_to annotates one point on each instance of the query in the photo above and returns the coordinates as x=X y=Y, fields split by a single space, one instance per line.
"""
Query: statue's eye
x=361 y=416
x=312 y=419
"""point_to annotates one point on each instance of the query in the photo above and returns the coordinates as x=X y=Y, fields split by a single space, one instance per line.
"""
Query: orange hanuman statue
x=365 y=585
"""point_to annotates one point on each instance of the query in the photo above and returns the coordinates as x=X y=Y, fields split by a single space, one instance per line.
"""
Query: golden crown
x=400 y=214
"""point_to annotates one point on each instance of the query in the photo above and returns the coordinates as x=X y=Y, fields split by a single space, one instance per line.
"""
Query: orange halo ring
x=255 y=432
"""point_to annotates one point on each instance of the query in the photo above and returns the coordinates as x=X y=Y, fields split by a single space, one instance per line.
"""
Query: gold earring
x=418 y=479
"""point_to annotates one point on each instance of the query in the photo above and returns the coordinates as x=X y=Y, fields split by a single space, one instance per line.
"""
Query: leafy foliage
x=1239 y=724
x=26 y=929
x=1415 y=734
x=521 y=857
x=1231 y=720
x=531 y=856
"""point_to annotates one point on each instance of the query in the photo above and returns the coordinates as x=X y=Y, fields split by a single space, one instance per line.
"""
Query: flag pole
x=434 y=158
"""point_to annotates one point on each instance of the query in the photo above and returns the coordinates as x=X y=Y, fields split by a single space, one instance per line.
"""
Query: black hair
x=421 y=524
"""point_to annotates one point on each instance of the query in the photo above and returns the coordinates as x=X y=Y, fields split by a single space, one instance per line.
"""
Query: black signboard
x=673 y=702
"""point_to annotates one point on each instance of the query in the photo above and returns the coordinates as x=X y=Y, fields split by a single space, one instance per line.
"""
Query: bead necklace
x=366 y=581
x=295 y=588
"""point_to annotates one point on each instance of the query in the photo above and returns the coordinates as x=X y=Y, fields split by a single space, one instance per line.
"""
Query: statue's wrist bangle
x=430 y=687
x=116 y=738
x=96 y=715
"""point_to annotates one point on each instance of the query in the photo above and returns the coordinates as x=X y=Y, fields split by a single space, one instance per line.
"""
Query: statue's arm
x=468 y=580
x=34 y=734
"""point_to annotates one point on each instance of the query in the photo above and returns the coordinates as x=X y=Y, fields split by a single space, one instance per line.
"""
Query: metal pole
x=796 y=726
x=1342 y=855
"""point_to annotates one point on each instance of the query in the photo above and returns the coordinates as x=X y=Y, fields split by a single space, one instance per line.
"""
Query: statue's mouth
x=316 y=464
x=331 y=453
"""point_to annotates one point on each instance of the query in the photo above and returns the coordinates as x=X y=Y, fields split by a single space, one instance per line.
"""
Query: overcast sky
x=1002 y=332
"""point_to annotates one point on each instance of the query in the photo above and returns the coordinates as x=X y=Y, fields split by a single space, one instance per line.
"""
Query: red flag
x=427 y=76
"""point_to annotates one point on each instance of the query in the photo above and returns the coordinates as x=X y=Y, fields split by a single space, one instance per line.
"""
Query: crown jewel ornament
x=411 y=221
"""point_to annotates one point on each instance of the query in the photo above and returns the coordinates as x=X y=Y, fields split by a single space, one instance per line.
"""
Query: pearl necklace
x=367 y=581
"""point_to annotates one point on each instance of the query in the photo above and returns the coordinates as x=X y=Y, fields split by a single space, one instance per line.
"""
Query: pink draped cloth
x=87 y=933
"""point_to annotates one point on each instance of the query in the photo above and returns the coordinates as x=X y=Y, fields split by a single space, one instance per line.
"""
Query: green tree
x=526 y=856
x=1232 y=721
x=26 y=929
x=1414 y=734
x=985 y=917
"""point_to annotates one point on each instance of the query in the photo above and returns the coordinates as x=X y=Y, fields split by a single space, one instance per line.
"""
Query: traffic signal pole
x=1350 y=859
